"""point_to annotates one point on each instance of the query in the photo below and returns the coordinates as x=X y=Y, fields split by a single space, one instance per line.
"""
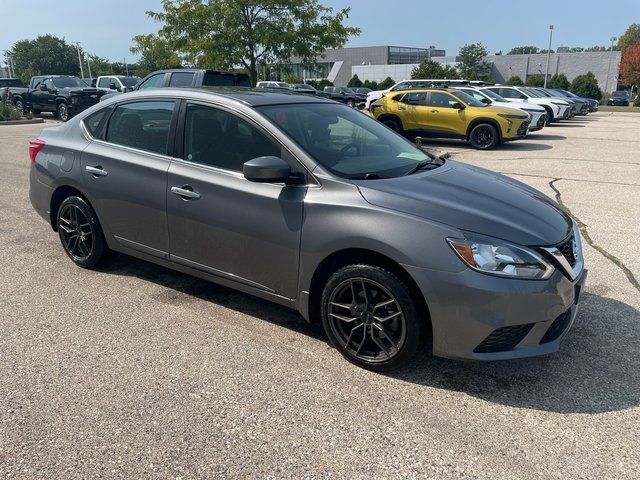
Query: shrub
x=290 y=78
x=432 y=69
x=536 y=80
x=355 y=82
x=586 y=86
x=386 y=83
x=559 y=81
x=324 y=83
x=8 y=112
x=373 y=85
x=516 y=81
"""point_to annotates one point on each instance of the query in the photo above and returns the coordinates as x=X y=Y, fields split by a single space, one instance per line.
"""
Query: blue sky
x=106 y=28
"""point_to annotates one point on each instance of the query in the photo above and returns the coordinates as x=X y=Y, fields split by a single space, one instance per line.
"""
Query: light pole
x=79 y=59
x=8 y=61
x=606 y=82
x=89 y=66
x=546 y=72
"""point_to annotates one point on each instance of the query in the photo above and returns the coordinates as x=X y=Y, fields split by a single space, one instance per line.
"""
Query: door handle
x=434 y=111
x=401 y=108
x=97 y=171
x=185 y=192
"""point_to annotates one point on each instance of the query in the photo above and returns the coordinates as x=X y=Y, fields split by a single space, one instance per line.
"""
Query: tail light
x=34 y=148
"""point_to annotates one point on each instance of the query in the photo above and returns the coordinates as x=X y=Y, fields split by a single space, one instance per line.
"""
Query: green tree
x=523 y=50
x=373 y=85
x=630 y=37
x=291 y=78
x=559 y=80
x=386 y=83
x=536 y=80
x=586 y=86
x=155 y=54
x=324 y=83
x=99 y=65
x=515 y=80
x=47 y=54
x=472 y=65
x=355 y=82
x=431 y=69
x=227 y=33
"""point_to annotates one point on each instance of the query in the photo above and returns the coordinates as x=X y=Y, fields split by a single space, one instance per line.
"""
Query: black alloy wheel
x=370 y=317
x=483 y=136
x=80 y=232
x=63 y=112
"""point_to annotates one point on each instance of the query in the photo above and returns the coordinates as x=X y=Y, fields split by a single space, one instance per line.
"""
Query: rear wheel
x=484 y=136
x=19 y=106
x=393 y=125
x=351 y=103
x=63 y=112
x=370 y=317
x=80 y=233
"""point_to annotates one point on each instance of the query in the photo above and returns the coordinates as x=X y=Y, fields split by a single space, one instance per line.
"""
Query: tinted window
x=181 y=79
x=92 y=122
x=442 y=100
x=226 y=79
x=221 y=139
x=49 y=84
x=468 y=99
x=104 y=82
x=129 y=81
x=154 y=81
x=64 y=82
x=507 y=92
x=415 y=98
x=346 y=142
x=141 y=125
x=11 y=82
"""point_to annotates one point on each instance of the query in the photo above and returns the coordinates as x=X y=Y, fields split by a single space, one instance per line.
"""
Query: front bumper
x=482 y=317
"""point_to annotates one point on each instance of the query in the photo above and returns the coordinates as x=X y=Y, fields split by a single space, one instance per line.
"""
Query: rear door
x=413 y=111
x=126 y=174
x=221 y=223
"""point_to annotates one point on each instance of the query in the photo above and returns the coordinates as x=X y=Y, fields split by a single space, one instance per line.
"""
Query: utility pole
x=79 y=59
x=89 y=65
x=606 y=82
x=9 y=61
x=126 y=67
x=546 y=72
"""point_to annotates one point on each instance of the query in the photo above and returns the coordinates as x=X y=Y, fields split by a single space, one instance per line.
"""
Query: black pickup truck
x=61 y=95
x=189 y=77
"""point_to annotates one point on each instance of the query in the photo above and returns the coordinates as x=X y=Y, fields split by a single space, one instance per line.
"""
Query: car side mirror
x=113 y=86
x=486 y=100
x=43 y=88
x=266 y=170
x=458 y=106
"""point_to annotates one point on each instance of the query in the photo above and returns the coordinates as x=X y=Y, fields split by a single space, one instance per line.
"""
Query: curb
x=22 y=122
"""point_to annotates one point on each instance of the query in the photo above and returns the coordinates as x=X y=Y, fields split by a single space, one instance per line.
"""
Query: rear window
x=212 y=79
x=11 y=82
x=141 y=125
x=94 y=121
x=181 y=79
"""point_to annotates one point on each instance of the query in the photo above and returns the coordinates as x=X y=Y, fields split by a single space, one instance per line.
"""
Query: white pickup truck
x=118 y=83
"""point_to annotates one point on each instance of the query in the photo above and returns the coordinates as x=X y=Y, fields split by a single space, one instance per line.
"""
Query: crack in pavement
x=585 y=234
x=603 y=182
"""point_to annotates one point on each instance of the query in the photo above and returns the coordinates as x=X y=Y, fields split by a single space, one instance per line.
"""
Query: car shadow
x=565 y=123
x=544 y=136
x=462 y=145
x=596 y=370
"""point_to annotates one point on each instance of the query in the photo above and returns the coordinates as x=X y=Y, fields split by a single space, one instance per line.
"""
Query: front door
x=223 y=224
x=443 y=118
x=126 y=174
x=412 y=107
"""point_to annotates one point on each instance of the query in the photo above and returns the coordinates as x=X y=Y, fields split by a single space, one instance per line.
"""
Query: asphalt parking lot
x=135 y=371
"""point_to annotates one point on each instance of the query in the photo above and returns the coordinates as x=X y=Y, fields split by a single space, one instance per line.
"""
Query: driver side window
x=49 y=84
x=156 y=81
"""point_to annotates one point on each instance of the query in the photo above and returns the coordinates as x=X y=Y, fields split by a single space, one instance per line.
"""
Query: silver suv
x=310 y=204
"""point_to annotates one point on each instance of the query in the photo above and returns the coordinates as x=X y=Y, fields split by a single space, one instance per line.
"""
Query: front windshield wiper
x=369 y=176
x=429 y=164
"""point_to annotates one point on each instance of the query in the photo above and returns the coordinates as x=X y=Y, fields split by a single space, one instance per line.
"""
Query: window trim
x=286 y=154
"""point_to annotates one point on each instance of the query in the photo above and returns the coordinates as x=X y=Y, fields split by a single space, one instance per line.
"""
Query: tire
x=80 y=233
x=351 y=103
x=484 y=136
x=19 y=106
x=380 y=331
x=393 y=125
x=63 y=112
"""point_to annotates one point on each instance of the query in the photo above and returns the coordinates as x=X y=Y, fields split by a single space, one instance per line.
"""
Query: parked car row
x=353 y=97
x=484 y=115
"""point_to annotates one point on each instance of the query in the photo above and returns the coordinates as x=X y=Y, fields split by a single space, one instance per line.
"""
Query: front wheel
x=351 y=103
x=484 y=137
x=80 y=233
x=371 y=317
x=63 y=112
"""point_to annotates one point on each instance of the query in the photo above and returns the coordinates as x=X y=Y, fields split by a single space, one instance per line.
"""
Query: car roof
x=254 y=97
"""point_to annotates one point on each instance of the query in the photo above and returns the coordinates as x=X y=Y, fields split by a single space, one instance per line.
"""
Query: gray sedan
x=313 y=205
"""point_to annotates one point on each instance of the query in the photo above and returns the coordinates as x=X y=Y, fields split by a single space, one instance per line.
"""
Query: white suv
x=119 y=83
x=556 y=108
x=403 y=85
x=537 y=113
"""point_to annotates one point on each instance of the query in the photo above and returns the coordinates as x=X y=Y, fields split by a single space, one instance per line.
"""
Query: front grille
x=566 y=248
x=504 y=339
x=557 y=328
x=542 y=119
x=523 y=128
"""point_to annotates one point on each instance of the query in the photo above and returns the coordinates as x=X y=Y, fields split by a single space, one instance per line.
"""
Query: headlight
x=561 y=104
x=496 y=257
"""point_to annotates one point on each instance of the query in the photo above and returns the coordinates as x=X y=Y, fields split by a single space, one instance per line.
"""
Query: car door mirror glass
x=486 y=101
x=266 y=169
x=43 y=88
x=457 y=106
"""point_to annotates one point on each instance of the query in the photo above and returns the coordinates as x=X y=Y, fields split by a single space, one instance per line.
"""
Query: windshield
x=346 y=142
x=531 y=93
x=64 y=82
x=129 y=81
x=468 y=99
x=493 y=95
x=619 y=93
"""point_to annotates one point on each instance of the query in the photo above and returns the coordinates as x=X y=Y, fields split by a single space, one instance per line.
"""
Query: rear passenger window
x=141 y=125
x=181 y=79
x=223 y=140
x=92 y=122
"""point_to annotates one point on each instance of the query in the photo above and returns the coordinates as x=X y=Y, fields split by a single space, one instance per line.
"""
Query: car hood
x=473 y=199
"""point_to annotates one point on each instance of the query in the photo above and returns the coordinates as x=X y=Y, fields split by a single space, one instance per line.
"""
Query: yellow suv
x=441 y=112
